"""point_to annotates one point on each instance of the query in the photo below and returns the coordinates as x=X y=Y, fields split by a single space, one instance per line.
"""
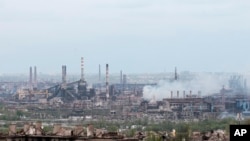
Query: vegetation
x=48 y=129
x=131 y=127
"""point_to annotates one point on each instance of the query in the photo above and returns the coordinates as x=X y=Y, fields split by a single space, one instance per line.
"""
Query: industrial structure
x=125 y=100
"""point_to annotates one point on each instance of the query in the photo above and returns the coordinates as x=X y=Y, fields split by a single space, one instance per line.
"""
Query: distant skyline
x=135 y=36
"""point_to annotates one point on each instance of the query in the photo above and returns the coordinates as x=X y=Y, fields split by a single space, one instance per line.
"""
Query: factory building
x=125 y=100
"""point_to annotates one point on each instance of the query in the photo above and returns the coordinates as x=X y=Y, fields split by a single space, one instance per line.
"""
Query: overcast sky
x=136 y=36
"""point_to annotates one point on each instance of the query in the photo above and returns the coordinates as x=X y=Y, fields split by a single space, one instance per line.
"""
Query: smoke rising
x=206 y=83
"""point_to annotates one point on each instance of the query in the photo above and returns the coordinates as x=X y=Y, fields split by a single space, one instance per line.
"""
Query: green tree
x=19 y=113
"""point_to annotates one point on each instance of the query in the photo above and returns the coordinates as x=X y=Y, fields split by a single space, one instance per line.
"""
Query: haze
x=136 y=36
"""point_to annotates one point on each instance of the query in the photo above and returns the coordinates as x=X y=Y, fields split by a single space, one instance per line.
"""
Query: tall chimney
x=177 y=94
x=175 y=74
x=30 y=81
x=99 y=73
x=190 y=94
x=121 y=77
x=124 y=79
x=107 y=81
x=30 y=75
x=171 y=94
x=184 y=95
x=35 y=77
x=82 y=69
x=64 y=74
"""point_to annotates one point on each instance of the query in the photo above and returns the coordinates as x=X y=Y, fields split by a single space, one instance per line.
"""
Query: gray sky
x=131 y=35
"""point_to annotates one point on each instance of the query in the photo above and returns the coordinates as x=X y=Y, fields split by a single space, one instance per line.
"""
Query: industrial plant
x=127 y=100
x=123 y=100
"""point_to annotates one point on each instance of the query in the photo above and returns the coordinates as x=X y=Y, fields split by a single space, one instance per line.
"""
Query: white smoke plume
x=206 y=83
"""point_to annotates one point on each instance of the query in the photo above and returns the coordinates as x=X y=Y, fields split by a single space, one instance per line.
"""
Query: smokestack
x=64 y=74
x=107 y=81
x=124 y=79
x=30 y=75
x=175 y=74
x=35 y=77
x=171 y=94
x=82 y=69
x=190 y=94
x=184 y=95
x=121 y=77
x=31 y=78
x=99 y=72
x=177 y=94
